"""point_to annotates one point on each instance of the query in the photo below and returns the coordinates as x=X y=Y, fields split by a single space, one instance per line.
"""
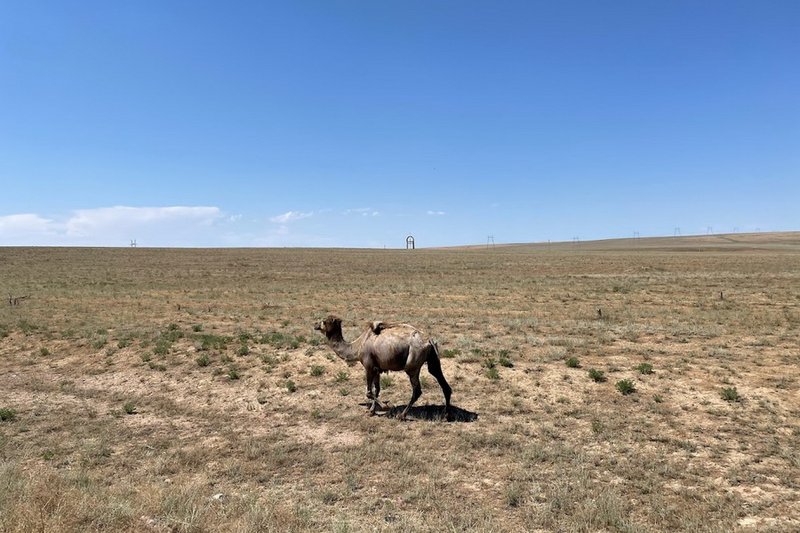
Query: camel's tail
x=435 y=346
x=435 y=368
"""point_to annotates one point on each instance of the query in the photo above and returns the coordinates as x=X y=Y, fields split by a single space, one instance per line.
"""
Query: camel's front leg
x=373 y=376
x=416 y=392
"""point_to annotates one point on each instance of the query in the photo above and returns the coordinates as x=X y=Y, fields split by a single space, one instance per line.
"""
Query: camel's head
x=330 y=326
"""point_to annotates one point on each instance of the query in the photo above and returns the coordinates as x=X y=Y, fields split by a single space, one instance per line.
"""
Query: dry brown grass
x=200 y=347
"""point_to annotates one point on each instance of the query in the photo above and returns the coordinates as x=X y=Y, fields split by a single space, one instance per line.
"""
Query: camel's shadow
x=435 y=413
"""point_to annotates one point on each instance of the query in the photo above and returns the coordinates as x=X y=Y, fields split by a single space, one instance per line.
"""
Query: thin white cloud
x=86 y=222
x=363 y=211
x=436 y=213
x=290 y=216
x=113 y=226
x=24 y=223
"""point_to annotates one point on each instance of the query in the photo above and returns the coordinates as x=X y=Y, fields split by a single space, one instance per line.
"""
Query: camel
x=385 y=347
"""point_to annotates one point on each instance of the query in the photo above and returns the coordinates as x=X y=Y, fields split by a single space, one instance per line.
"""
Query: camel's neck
x=345 y=350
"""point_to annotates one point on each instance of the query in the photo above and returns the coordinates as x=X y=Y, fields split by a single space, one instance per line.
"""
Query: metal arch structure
x=410 y=242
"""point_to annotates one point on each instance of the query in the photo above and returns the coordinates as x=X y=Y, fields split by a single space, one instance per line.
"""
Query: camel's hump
x=377 y=327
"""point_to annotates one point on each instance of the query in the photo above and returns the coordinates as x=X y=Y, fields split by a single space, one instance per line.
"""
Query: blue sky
x=346 y=123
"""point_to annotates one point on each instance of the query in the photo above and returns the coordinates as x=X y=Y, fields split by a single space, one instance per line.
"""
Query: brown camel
x=384 y=347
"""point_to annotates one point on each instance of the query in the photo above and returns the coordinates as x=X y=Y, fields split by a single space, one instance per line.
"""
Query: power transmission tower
x=677 y=231
x=133 y=243
x=490 y=240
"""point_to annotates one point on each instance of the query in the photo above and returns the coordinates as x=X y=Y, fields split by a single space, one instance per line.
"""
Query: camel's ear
x=376 y=327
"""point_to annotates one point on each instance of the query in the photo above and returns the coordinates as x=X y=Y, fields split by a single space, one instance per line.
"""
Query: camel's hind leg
x=435 y=369
x=416 y=392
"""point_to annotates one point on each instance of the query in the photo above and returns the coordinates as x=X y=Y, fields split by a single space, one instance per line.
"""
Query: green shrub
x=7 y=415
x=243 y=350
x=386 y=382
x=317 y=370
x=730 y=394
x=233 y=373
x=573 y=362
x=129 y=408
x=645 y=368
x=290 y=385
x=492 y=373
x=342 y=376
x=597 y=375
x=203 y=360
x=626 y=386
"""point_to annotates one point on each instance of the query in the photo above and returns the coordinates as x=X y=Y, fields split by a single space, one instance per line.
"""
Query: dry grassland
x=185 y=390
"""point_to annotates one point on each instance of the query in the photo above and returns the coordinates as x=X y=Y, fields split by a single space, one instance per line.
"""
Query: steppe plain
x=185 y=389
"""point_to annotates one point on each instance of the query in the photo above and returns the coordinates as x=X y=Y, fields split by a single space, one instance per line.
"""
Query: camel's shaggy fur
x=383 y=347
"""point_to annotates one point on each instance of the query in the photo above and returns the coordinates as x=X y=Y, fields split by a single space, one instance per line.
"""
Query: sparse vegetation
x=573 y=362
x=316 y=370
x=504 y=359
x=552 y=449
x=124 y=342
x=450 y=353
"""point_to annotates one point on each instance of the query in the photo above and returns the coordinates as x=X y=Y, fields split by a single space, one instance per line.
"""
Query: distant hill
x=773 y=241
